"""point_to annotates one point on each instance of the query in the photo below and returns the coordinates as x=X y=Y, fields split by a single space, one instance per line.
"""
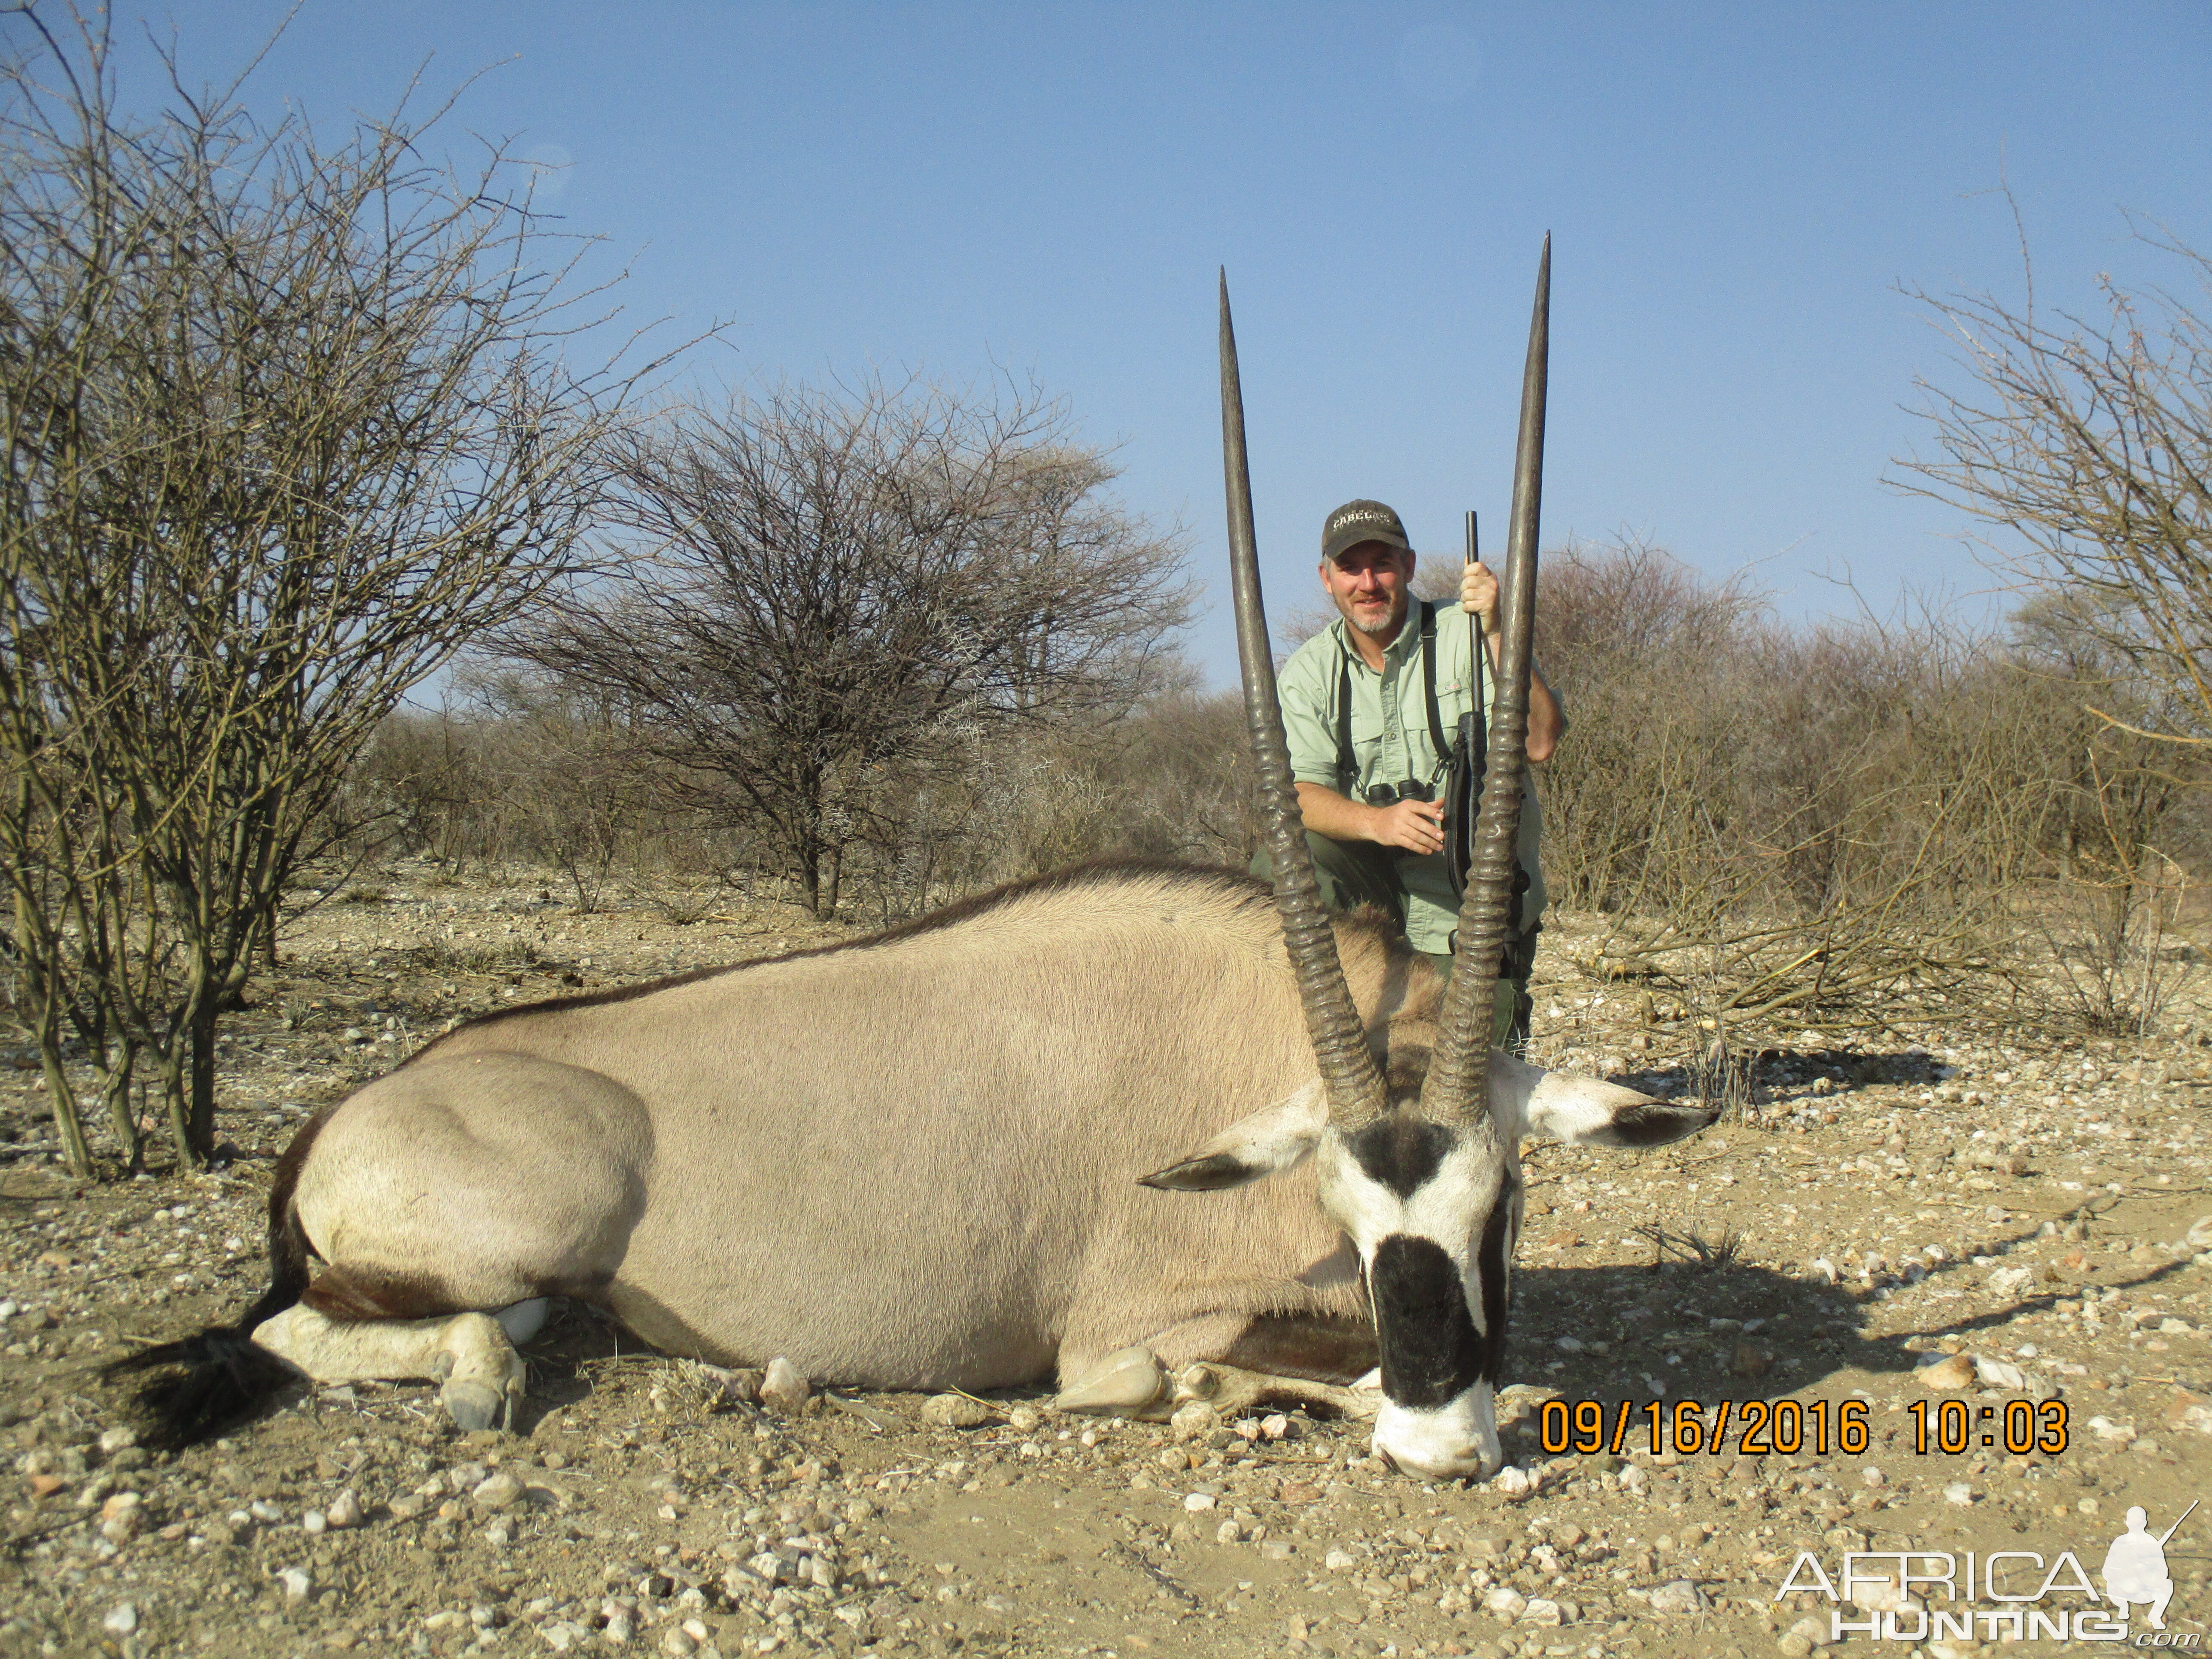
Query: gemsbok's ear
x=1270 y=1141
x=1586 y=1112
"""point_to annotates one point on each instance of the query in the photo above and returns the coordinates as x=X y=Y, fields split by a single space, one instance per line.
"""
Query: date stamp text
x=1787 y=1427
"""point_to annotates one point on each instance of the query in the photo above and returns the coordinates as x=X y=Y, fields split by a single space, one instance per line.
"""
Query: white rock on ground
x=1678 y=1597
x=1504 y=1602
x=783 y=1389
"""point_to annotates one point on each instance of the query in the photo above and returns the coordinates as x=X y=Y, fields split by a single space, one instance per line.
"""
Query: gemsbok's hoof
x=1129 y=1383
x=481 y=1375
x=474 y=1405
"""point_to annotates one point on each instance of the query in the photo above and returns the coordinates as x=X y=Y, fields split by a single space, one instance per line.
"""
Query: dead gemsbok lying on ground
x=963 y=1153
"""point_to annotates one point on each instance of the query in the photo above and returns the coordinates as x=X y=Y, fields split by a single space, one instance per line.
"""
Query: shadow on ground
x=1736 y=1330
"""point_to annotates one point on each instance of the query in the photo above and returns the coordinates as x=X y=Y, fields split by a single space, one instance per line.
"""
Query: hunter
x=1367 y=706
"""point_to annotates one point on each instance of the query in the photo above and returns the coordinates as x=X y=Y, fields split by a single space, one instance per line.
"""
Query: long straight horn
x=1348 y=1073
x=1459 y=1070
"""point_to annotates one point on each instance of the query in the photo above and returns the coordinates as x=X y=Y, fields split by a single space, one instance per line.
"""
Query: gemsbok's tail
x=198 y=1385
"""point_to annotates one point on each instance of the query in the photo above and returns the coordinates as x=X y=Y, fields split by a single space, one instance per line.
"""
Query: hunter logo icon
x=2134 y=1567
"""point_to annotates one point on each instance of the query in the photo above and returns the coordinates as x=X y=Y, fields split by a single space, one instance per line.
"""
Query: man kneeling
x=1366 y=706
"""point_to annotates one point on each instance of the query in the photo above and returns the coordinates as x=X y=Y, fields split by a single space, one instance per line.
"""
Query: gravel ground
x=2031 y=1207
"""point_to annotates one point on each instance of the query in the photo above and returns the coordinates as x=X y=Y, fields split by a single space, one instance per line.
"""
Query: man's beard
x=1385 y=630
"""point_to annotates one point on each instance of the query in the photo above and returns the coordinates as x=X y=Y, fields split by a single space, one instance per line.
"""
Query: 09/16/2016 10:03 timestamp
x=1786 y=1427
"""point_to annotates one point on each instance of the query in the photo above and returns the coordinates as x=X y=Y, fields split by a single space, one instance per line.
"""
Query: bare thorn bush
x=2083 y=444
x=290 y=419
x=1849 y=825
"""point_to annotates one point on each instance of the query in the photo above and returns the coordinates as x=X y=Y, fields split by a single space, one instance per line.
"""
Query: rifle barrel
x=2178 y=1520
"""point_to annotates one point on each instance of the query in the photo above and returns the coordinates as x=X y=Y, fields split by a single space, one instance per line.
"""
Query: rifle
x=1463 y=774
x=2178 y=1520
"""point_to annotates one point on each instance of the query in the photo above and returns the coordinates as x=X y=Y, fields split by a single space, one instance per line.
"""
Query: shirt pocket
x=1368 y=733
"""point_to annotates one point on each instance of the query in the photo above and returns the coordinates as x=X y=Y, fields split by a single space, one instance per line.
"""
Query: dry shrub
x=2124 y=825
x=825 y=594
x=1848 y=823
x=292 y=415
x=519 y=775
x=515 y=777
x=1643 y=653
x=1171 y=780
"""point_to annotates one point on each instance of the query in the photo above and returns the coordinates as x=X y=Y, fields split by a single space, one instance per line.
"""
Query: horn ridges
x=1458 y=1080
x=1348 y=1072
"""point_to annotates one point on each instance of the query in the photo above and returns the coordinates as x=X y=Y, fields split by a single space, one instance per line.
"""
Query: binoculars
x=1389 y=795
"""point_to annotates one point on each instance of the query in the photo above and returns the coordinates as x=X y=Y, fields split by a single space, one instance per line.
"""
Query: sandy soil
x=2026 y=1204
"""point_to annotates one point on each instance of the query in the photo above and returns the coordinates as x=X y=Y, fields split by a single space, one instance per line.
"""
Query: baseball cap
x=1361 y=521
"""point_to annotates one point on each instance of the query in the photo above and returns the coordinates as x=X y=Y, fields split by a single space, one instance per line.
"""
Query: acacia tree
x=822 y=584
x=288 y=423
x=2088 y=441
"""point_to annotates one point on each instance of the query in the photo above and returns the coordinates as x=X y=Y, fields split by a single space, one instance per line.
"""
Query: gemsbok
x=962 y=1153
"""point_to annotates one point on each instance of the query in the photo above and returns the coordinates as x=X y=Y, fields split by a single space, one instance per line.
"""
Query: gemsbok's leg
x=1234 y=1391
x=1230 y=1361
x=468 y=1354
x=479 y=1182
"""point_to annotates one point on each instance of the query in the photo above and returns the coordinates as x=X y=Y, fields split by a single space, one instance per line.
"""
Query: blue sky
x=1736 y=194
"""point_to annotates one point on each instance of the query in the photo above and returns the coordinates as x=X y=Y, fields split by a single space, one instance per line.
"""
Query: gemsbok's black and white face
x=1433 y=1209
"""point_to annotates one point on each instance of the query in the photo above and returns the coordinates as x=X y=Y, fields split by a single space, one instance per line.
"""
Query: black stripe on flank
x=1401 y=1151
x=1318 y=1347
x=1431 y=1352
